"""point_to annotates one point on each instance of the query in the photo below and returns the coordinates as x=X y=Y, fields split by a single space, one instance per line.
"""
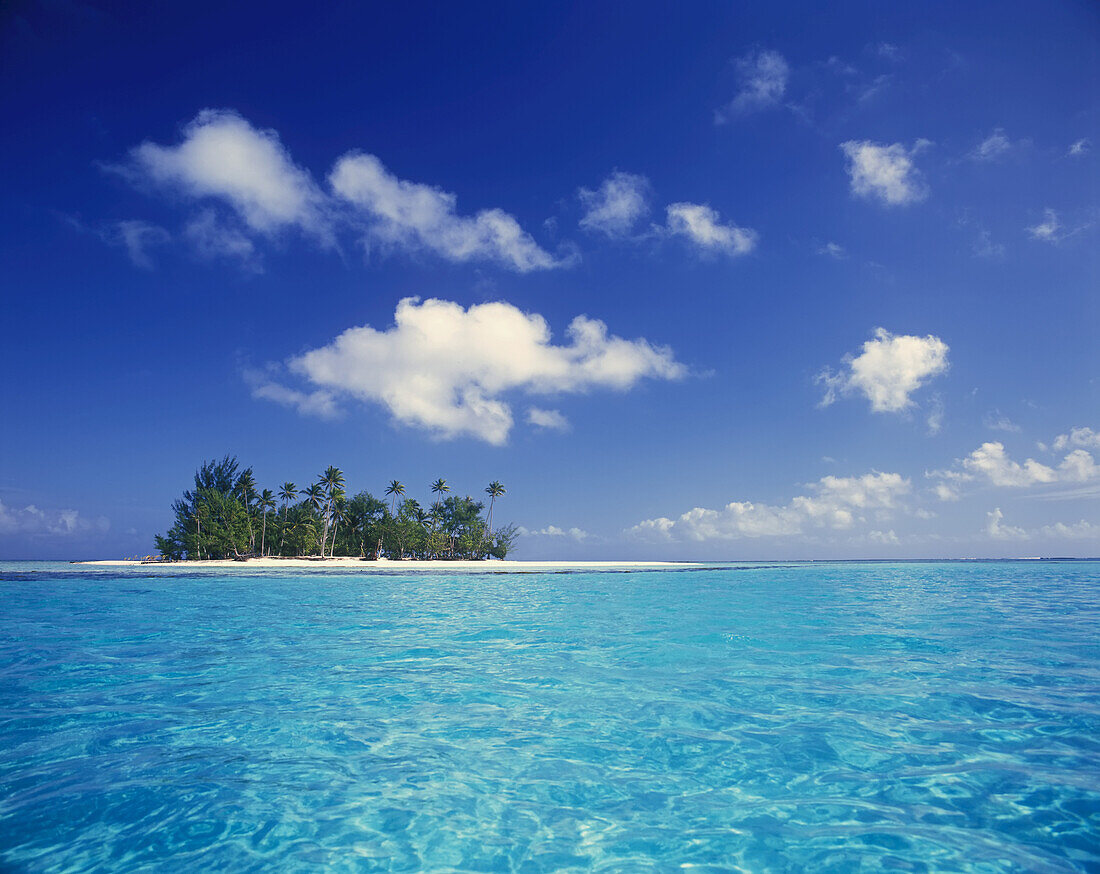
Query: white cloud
x=224 y=157
x=1080 y=147
x=945 y=492
x=550 y=419
x=701 y=225
x=213 y=238
x=994 y=146
x=577 y=534
x=889 y=51
x=888 y=370
x=34 y=521
x=1083 y=437
x=936 y=413
x=319 y=403
x=991 y=463
x=835 y=503
x=137 y=237
x=1078 y=467
x=413 y=215
x=445 y=368
x=996 y=528
x=885 y=172
x=1076 y=530
x=996 y=421
x=616 y=206
x=1048 y=229
x=888 y=538
x=984 y=247
x=833 y=250
x=763 y=78
x=868 y=91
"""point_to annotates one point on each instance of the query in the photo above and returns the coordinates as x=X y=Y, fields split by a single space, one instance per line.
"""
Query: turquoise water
x=827 y=717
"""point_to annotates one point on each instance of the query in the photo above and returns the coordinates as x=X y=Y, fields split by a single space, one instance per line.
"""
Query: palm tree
x=315 y=494
x=198 y=530
x=286 y=494
x=394 y=489
x=246 y=485
x=267 y=502
x=440 y=486
x=339 y=514
x=331 y=480
x=494 y=490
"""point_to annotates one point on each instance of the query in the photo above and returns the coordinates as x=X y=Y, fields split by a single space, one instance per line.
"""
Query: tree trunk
x=282 y=537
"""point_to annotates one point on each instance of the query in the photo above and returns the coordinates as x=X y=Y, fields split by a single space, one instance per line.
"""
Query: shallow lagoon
x=824 y=717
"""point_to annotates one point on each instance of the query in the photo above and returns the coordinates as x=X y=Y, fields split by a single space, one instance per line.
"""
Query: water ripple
x=834 y=717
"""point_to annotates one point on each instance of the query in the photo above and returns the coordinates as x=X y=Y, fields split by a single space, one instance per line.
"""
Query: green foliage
x=226 y=516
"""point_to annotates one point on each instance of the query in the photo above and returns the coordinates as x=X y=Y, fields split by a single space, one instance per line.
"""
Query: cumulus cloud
x=1081 y=437
x=413 y=215
x=990 y=461
x=34 y=521
x=1078 y=467
x=946 y=492
x=702 y=226
x=996 y=528
x=885 y=172
x=994 y=146
x=888 y=370
x=1072 y=531
x=549 y=419
x=615 y=207
x=1049 y=229
x=835 y=503
x=224 y=157
x=991 y=464
x=446 y=369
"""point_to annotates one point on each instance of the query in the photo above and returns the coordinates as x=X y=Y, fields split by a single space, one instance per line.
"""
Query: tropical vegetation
x=226 y=515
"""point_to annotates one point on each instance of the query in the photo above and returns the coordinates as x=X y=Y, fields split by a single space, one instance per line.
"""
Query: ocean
x=779 y=717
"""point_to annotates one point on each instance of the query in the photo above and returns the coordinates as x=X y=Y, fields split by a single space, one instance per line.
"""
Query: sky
x=697 y=281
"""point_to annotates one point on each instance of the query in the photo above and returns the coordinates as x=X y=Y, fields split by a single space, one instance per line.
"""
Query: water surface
x=823 y=717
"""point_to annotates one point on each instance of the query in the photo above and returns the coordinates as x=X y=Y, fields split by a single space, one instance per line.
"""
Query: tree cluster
x=226 y=515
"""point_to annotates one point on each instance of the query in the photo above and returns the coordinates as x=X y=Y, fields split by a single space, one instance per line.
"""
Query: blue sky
x=708 y=281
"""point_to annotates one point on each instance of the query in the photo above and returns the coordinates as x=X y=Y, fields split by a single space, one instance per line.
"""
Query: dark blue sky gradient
x=119 y=380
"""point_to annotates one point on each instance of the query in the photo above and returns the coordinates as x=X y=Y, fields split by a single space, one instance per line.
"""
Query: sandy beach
x=390 y=565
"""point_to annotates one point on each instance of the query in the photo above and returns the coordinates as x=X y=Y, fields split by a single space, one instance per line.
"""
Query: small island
x=227 y=517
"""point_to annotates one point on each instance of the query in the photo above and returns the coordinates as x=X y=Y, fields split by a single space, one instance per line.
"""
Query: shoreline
x=388 y=564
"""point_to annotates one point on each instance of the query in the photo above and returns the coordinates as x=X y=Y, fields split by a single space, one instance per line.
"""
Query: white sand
x=390 y=565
